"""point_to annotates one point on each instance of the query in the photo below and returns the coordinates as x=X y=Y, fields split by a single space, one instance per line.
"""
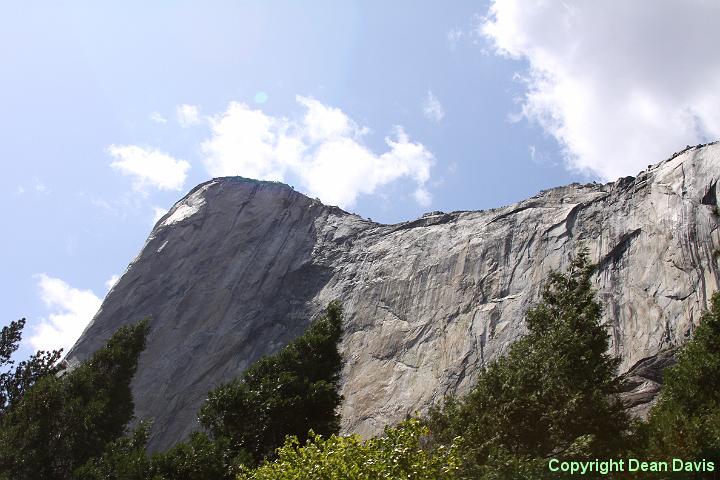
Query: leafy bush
x=396 y=455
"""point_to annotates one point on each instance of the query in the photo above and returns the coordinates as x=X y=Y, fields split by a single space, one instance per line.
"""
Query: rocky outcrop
x=237 y=267
x=640 y=386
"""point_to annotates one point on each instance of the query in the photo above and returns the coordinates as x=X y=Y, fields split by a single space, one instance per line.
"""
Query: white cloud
x=249 y=143
x=158 y=213
x=149 y=167
x=110 y=283
x=620 y=85
x=187 y=115
x=322 y=123
x=37 y=186
x=454 y=36
x=71 y=311
x=40 y=187
x=422 y=196
x=432 y=108
x=157 y=117
x=324 y=150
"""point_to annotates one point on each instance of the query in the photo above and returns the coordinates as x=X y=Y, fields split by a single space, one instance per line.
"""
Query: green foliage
x=288 y=393
x=199 y=458
x=552 y=395
x=62 y=421
x=685 y=423
x=15 y=380
x=554 y=387
x=395 y=456
x=123 y=459
x=504 y=465
x=10 y=337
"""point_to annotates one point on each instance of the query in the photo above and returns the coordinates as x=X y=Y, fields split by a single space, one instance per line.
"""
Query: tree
x=284 y=394
x=199 y=458
x=288 y=393
x=122 y=459
x=14 y=382
x=552 y=394
x=62 y=421
x=685 y=422
x=396 y=455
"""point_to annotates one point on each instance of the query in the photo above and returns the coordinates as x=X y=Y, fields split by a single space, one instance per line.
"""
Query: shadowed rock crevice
x=641 y=384
x=710 y=198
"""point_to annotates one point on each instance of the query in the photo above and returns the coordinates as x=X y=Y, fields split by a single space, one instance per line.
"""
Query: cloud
x=620 y=85
x=71 y=311
x=149 y=167
x=454 y=36
x=110 y=283
x=422 y=196
x=324 y=150
x=187 y=115
x=40 y=187
x=37 y=186
x=157 y=117
x=158 y=213
x=432 y=108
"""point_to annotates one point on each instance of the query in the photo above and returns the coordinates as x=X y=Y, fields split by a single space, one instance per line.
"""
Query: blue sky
x=109 y=113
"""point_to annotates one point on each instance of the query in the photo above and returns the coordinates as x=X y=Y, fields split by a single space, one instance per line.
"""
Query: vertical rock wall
x=238 y=266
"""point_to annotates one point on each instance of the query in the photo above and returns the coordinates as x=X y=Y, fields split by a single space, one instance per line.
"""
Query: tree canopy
x=291 y=392
x=17 y=378
x=552 y=393
x=685 y=422
x=288 y=393
x=398 y=454
x=63 y=420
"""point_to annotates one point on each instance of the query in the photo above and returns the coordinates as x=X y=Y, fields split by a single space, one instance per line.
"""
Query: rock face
x=236 y=268
x=640 y=386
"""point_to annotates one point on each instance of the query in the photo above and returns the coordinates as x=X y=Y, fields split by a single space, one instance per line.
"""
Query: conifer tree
x=553 y=393
x=685 y=423
x=62 y=421
x=16 y=379
x=288 y=393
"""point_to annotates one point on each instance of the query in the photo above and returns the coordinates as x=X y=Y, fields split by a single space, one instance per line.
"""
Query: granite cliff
x=236 y=268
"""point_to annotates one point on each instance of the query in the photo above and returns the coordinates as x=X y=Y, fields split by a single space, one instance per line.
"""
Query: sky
x=111 y=111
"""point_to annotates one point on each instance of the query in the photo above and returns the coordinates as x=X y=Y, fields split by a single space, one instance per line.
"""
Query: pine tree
x=685 y=423
x=288 y=393
x=16 y=379
x=62 y=421
x=122 y=459
x=553 y=393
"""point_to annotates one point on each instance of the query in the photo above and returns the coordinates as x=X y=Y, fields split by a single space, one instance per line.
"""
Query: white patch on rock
x=188 y=207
